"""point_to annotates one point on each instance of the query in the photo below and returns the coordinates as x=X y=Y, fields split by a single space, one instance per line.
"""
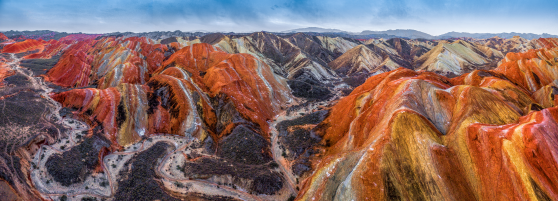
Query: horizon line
x=285 y=31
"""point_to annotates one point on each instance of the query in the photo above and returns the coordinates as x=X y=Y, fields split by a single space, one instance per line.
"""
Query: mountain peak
x=314 y=29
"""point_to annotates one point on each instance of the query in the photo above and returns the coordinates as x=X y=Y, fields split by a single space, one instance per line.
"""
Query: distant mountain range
x=402 y=33
x=366 y=34
x=315 y=29
x=414 y=34
x=490 y=35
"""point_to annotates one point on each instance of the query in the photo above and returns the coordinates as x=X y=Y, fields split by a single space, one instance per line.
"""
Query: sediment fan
x=278 y=117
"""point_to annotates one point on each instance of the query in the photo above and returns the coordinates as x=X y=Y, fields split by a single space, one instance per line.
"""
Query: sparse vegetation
x=291 y=198
x=178 y=184
x=274 y=165
x=89 y=199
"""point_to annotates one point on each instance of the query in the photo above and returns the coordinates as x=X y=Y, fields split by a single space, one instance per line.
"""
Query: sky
x=434 y=17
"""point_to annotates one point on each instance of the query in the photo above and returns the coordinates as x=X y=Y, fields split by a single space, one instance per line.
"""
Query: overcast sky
x=431 y=16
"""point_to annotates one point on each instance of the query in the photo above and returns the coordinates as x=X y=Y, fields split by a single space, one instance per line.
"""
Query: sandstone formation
x=263 y=116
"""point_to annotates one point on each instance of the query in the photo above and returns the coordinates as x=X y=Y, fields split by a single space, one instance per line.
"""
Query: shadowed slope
x=458 y=57
x=360 y=59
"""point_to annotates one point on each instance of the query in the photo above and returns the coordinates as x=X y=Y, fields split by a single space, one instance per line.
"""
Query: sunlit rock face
x=532 y=70
x=419 y=135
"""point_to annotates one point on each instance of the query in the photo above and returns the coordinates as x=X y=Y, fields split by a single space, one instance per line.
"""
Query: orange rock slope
x=485 y=135
x=5 y=71
x=3 y=37
x=256 y=91
x=25 y=46
x=180 y=97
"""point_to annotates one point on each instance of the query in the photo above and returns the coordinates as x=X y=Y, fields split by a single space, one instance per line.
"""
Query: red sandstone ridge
x=549 y=42
x=54 y=47
x=3 y=37
x=74 y=67
x=176 y=98
x=50 y=49
x=419 y=135
x=25 y=46
x=114 y=61
x=41 y=49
